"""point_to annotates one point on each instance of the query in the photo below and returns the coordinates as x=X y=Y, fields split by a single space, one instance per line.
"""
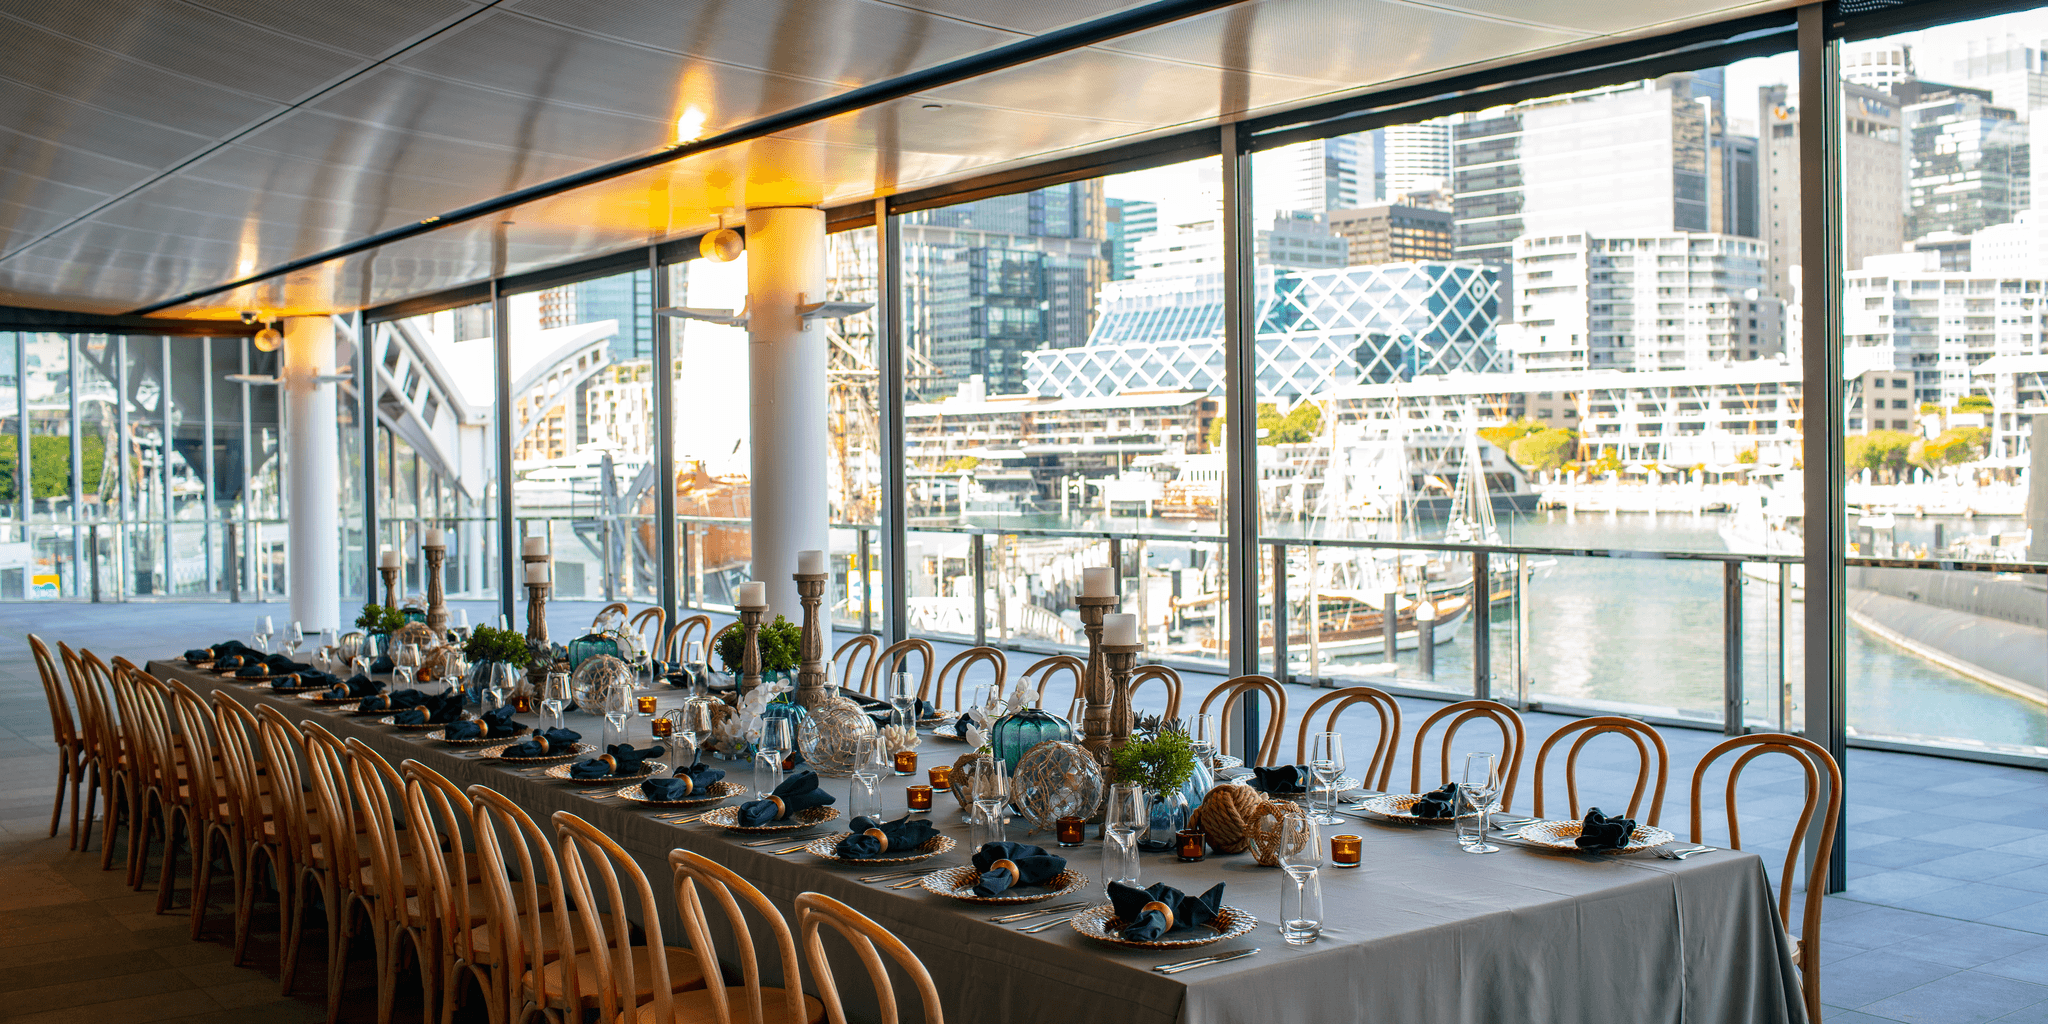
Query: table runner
x=1423 y=932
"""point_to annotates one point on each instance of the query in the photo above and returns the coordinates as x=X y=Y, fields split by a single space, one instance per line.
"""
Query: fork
x=772 y=840
x=1669 y=854
x=1040 y=912
x=1043 y=925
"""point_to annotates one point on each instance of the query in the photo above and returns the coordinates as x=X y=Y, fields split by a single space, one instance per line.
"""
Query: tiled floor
x=1945 y=920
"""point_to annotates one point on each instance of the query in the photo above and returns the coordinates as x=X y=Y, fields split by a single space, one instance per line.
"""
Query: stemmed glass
x=692 y=725
x=618 y=706
x=554 y=696
x=1301 y=896
x=1204 y=738
x=778 y=738
x=1326 y=763
x=693 y=664
x=902 y=700
x=868 y=765
x=991 y=794
x=504 y=681
x=1125 y=816
x=1479 y=786
x=405 y=663
x=262 y=633
x=293 y=637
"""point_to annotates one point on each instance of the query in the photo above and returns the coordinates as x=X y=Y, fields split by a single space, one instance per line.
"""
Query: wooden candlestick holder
x=437 y=605
x=750 y=651
x=813 y=688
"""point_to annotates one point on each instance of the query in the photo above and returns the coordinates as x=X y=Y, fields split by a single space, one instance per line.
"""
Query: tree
x=1953 y=447
x=1506 y=435
x=1543 y=449
x=1297 y=427
x=1974 y=403
x=50 y=465
x=959 y=464
x=1608 y=462
x=1885 y=453
x=1747 y=456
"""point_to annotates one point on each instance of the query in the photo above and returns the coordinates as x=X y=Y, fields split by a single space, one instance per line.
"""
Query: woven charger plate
x=442 y=735
x=729 y=818
x=1563 y=835
x=1101 y=924
x=959 y=884
x=929 y=848
x=392 y=721
x=323 y=700
x=1396 y=805
x=302 y=689
x=497 y=754
x=712 y=794
x=648 y=770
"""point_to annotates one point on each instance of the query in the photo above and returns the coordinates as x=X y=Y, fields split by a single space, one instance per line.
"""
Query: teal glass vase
x=1019 y=731
x=586 y=647
x=413 y=614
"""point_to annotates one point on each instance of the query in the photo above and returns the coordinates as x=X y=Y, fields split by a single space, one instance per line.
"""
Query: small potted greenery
x=781 y=648
x=1160 y=758
x=496 y=658
x=378 y=620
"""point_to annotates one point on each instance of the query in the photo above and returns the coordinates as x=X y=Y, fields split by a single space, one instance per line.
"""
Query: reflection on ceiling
x=159 y=147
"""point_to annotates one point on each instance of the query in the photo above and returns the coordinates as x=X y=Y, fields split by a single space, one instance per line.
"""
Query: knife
x=1192 y=964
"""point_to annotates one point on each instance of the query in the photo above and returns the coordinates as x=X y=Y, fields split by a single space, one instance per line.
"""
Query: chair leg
x=77 y=788
x=202 y=876
x=140 y=825
x=63 y=776
x=294 y=921
x=115 y=793
x=387 y=972
x=167 y=876
x=92 y=799
x=245 y=902
x=337 y=945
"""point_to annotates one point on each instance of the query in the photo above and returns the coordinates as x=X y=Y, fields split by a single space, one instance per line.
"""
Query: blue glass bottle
x=1019 y=731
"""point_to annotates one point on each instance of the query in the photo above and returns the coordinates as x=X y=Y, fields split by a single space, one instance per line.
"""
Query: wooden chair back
x=814 y=909
x=605 y=614
x=696 y=876
x=379 y=790
x=956 y=670
x=886 y=663
x=1650 y=754
x=1168 y=677
x=146 y=727
x=64 y=727
x=676 y=645
x=601 y=875
x=1823 y=797
x=850 y=662
x=711 y=656
x=1511 y=734
x=284 y=783
x=1231 y=692
x=437 y=814
x=651 y=624
x=517 y=863
x=330 y=774
x=1039 y=673
x=1380 y=769
x=95 y=710
x=238 y=733
x=200 y=747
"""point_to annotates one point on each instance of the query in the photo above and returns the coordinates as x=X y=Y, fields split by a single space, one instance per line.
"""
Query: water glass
x=1125 y=817
x=1478 y=787
x=1301 y=906
x=1326 y=763
x=987 y=824
x=554 y=697
x=293 y=637
x=693 y=665
x=359 y=666
x=1205 y=739
x=861 y=797
x=618 y=706
x=778 y=738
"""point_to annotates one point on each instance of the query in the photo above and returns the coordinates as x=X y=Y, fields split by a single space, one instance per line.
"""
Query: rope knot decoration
x=1226 y=815
x=1265 y=829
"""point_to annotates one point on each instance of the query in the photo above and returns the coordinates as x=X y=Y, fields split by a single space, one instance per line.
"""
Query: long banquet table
x=1423 y=932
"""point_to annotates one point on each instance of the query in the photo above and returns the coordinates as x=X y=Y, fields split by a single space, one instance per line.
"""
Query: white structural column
x=313 y=473
x=786 y=266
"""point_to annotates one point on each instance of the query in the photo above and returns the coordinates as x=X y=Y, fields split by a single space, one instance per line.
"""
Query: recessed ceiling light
x=934 y=106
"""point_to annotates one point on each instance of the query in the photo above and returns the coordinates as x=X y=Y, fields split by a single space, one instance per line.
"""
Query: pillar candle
x=434 y=537
x=810 y=563
x=537 y=572
x=462 y=617
x=1098 y=582
x=535 y=546
x=387 y=559
x=1119 y=629
x=752 y=595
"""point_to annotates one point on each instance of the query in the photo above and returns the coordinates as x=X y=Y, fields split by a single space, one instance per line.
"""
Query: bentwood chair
x=604 y=616
x=1823 y=797
x=210 y=811
x=711 y=655
x=142 y=789
x=1039 y=674
x=1167 y=677
x=651 y=624
x=891 y=660
x=525 y=928
x=175 y=783
x=613 y=976
x=676 y=645
x=1380 y=769
x=437 y=814
x=103 y=753
x=254 y=835
x=322 y=857
x=1511 y=734
x=1231 y=693
x=1651 y=754
x=66 y=733
x=696 y=877
x=863 y=934
x=956 y=670
x=850 y=662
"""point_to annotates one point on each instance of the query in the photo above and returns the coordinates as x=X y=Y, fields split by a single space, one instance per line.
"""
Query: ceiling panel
x=62 y=66
x=195 y=42
x=1035 y=18
x=1604 y=17
x=367 y=28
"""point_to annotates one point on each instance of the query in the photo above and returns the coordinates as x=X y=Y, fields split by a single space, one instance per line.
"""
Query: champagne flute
x=554 y=696
x=1479 y=786
x=1326 y=763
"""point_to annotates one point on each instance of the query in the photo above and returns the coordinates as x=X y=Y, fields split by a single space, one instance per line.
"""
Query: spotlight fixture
x=269 y=338
x=722 y=246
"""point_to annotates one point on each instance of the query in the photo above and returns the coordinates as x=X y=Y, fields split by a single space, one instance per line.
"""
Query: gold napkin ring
x=1164 y=911
x=781 y=809
x=689 y=784
x=611 y=764
x=1008 y=865
x=880 y=837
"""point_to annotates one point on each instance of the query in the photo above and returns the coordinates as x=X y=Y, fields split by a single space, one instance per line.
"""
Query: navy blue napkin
x=1031 y=864
x=1437 y=803
x=617 y=759
x=1281 y=780
x=1600 y=832
x=382 y=666
x=1182 y=911
x=493 y=723
x=798 y=792
x=544 y=742
x=689 y=782
x=257 y=671
x=439 y=709
x=357 y=686
x=872 y=837
x=396 y=700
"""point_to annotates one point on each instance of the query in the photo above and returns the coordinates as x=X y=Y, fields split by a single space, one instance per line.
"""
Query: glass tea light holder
x=906 y=763
x=1070 y=830
x=941 y=776
x=1344 y=851
x=522 y=704
x=918 y=798
x=1190 y=844
x=646 y=705
x=662 y=727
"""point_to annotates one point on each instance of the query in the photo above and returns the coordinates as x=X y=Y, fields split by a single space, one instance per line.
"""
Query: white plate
x=1395 y=806
x=1563 y=835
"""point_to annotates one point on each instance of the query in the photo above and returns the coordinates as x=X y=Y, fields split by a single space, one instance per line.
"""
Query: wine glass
x=618 y=706
x=1125 y=816
x=293 y=637
x=1326 y=763
x=778 y=738
x=554 y=696
x=405 y=663
x=262 y=633
x=503 y=681
x=1204 y=739
x=693 y=726
x=693 y=665
x=901 y=699
x=1301 y=896
x=1479 y=786
x=860 y=792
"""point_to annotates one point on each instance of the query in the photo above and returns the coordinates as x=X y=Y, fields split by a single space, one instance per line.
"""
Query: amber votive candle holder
x=647 y=704
x=918 y=797
x=522 y=704
x=1344 y=851
x=1192 y=845
x=1070 y=830
x=906 y=763
x=663 y=728
x=941 y=776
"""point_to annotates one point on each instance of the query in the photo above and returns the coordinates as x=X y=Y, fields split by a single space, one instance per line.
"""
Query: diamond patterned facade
x=1318 y=330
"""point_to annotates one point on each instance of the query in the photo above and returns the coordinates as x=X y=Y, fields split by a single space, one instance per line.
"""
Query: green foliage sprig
x=1162 y=763
x=781 y=646
x=486 y=643
x=378 y=619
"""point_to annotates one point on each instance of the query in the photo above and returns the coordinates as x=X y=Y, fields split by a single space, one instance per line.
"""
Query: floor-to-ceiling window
x=714 y=552
x=434 y=378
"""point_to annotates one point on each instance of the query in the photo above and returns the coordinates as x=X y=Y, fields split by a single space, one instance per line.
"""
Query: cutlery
x=771 y=841
x=1043 y=925
x=908 y=882
x=1667 y=853
x=1206 y=961
x=892 y=874
x=1040 y=912
x=793 y=849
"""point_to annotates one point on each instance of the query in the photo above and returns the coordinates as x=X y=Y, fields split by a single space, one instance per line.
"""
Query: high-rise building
x=1125 y=222
x=625 y=298
x=1969 y=162
x=1873 y=169
x=1318 y=176
x=1903 y=313
x=1877 y=64
x=1395 y=234
x=1293 y=241
x=2016 y=74
x=1418 y=157
x=995 y=279
x=1674 y=301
